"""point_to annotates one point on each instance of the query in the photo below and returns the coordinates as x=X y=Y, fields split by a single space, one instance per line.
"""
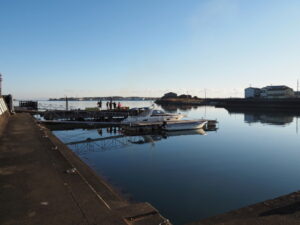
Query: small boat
x=152 y=115
x=184 y=125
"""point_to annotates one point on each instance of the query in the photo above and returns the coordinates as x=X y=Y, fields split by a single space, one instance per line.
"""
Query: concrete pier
x=44 y=182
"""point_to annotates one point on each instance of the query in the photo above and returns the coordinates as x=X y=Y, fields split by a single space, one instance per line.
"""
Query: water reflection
x=268 y=119
x=158 y=137
x=119 y=140
x=273 y=117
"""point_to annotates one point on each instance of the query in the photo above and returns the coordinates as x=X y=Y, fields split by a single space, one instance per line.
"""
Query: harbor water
x=188 y=176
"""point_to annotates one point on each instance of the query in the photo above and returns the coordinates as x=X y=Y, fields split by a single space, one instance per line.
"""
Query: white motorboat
x=152 y=115
x=184 y=125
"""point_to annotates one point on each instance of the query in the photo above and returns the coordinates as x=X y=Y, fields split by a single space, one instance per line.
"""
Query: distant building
x=280 y=91
x=251 y=92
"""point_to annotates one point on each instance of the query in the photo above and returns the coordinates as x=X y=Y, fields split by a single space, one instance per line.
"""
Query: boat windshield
x=145 y=112
x=158 y=112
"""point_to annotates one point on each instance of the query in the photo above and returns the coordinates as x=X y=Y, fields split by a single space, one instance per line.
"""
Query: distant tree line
x=174 y=95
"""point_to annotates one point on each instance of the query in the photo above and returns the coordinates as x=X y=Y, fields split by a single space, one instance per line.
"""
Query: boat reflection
x=121 y=140
x=158 y=137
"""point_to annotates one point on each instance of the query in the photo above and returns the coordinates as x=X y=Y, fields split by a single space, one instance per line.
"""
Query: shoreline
x=288 y=103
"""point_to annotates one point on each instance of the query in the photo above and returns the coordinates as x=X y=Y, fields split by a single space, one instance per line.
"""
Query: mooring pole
x=67 y=104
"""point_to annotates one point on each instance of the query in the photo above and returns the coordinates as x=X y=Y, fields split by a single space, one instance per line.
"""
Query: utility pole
x=0 y=84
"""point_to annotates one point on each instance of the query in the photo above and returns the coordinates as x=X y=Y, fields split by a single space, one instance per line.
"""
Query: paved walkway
x=36 y=189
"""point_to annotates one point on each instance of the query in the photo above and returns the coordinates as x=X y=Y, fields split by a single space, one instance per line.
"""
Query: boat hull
x=185 y=126
x=153 y=119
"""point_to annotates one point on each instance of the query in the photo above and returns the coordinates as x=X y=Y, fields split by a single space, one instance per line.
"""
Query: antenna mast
x=0 y=84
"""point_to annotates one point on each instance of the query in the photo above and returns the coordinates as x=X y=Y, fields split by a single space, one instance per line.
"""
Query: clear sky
x=79 y=48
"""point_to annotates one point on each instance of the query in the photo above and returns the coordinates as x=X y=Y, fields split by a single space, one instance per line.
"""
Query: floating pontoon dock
x=136 y=127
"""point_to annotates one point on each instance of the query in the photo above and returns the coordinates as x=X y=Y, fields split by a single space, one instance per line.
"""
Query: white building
x=251 y=92
x=280 y=91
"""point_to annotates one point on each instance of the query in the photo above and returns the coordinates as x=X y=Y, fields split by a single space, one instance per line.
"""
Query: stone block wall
x=4 y=115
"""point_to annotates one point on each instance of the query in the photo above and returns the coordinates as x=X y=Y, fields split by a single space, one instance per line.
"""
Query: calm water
x=189 y=176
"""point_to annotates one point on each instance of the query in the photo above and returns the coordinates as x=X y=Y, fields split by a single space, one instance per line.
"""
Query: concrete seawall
x=4 y=115
x=284 y=210
x=289 y=104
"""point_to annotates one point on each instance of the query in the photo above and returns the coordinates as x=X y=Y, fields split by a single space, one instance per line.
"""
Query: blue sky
x=78 y=48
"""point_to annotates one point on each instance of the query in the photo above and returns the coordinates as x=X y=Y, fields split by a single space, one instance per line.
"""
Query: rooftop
x=278 y=87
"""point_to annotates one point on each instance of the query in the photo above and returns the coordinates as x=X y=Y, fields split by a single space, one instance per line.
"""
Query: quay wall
x=286 y=104
x=4 y=115
x=41 y=177
x=283 y=210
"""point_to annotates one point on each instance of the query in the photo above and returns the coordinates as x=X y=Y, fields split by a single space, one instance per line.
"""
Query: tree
x=185 y=96
x=170 y=95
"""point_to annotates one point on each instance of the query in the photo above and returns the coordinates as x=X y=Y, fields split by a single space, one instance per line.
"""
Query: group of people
x=110 y=105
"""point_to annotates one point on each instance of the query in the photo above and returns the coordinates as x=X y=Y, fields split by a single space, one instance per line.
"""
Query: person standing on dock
x=115 y=105
x=110 y=104
x=100 y=104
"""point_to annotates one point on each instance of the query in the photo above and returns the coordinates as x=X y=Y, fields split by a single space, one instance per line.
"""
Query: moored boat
x=152 y=115
x=184 y=125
